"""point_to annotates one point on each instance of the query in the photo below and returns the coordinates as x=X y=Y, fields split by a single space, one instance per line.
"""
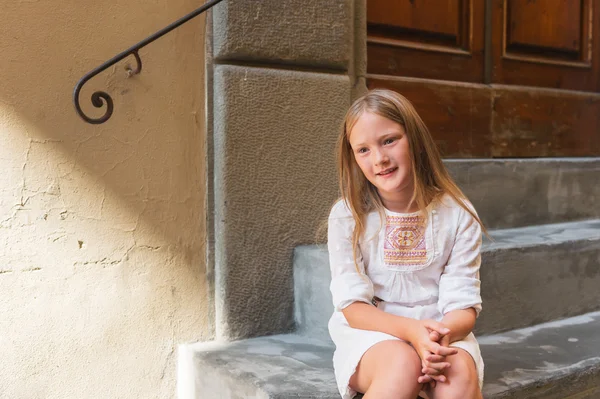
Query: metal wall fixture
x=100 y=98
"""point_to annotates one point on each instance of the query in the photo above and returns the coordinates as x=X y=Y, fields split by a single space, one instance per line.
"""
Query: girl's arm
x=460 y=323
x=367 y=317
x=459 y=287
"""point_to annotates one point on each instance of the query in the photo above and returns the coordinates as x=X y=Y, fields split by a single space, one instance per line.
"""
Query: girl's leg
x=388 y=370
x=462 y=380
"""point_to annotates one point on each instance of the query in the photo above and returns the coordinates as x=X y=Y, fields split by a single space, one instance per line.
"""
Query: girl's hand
x=434 y=360
x=432 y=354
x=443 y=340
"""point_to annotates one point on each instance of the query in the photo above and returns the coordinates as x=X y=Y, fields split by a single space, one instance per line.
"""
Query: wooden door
x=493 y=78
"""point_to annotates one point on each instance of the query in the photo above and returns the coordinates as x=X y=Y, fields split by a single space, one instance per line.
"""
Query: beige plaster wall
x=102 y=228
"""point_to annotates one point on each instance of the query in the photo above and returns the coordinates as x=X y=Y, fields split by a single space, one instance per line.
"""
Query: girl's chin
x=393 y=189
x=387 y=191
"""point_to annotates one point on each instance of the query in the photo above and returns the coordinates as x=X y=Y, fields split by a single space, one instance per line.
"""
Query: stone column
x=283 y=74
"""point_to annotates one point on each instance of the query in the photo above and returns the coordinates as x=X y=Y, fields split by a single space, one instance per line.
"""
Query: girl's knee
x=462 y=379
x=395 y=370
x=400 y=372
x=401 y=359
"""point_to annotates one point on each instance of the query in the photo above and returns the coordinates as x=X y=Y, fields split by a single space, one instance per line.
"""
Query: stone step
x=560 y=359
x=554 y=360
x=529 y=275
x=523 y=192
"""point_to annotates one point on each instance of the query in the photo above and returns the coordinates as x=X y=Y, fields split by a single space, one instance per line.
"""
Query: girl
x=404 y=248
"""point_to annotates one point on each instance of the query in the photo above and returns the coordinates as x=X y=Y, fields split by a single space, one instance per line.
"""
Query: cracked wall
x=102 y=228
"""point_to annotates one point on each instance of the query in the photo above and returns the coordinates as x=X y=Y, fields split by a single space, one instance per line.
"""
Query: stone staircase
x=540 y=328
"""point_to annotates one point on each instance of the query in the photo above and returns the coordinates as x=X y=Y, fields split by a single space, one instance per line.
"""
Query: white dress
x=420 y=270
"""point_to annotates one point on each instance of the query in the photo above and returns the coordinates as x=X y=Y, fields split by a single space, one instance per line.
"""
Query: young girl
x=404 y=248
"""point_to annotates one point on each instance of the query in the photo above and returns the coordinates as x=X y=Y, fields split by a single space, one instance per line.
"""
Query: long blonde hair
x=431 y=179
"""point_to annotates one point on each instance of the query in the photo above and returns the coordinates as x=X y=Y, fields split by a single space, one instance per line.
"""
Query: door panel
x=546 y=44
x=435 y=39
x=544 y=123
x=529 y=24
x=418 y=17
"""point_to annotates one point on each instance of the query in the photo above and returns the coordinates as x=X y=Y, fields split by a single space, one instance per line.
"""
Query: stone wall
x=284 y=73
x=102 y=228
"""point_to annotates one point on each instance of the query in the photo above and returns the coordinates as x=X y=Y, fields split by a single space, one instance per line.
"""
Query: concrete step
x=523 y=192
x=555 y=360
x=529 y=275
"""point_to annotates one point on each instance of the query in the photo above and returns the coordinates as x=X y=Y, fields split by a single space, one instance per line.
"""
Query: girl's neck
x=399 y=202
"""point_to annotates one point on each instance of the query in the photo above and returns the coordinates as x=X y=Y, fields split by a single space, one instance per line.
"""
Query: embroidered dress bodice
x=404 y=241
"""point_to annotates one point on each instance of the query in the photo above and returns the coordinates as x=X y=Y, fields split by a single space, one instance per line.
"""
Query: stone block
x=312 y=296
x=536 y=274
x=308 y=33
x=522 y=192
x=274 y=140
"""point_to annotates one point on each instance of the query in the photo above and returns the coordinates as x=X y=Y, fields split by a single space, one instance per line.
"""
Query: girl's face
x=382 y=152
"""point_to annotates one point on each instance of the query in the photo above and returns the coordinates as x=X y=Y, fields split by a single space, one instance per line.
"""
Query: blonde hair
x=431 y=179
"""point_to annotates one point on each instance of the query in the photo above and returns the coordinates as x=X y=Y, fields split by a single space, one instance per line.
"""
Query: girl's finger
x=423 y=361
x=427 y=381
x=443 y=350
x=424 y=355
x=436 y=326
x=430 y=371
x=435 y=358
x=434 y=336
x=437 y=366
x=433 y=378
x=444 y=341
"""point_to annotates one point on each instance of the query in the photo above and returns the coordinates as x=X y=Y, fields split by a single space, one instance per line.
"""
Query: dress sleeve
x=348 y=285
x=459 y=284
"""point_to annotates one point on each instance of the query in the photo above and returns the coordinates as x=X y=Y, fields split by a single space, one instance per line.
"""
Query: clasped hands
x=431 y=340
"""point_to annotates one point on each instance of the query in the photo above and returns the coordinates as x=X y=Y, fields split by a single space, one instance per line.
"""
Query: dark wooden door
x=493 y=78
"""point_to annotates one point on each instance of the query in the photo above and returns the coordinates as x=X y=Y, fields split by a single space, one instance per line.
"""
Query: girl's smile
x=387 y=173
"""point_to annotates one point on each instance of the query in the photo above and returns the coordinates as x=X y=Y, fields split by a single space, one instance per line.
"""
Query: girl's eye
x=362 y=150
x=389 y=141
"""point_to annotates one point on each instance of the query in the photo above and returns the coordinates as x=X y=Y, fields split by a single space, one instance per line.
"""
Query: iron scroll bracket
x=101 y=98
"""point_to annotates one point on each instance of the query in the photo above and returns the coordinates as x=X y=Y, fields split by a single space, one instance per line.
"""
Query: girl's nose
x=381 y=158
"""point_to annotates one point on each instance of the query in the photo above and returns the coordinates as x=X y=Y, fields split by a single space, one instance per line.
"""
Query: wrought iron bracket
x=101 y=98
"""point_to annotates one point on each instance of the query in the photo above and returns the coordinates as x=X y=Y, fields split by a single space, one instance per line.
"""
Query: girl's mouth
x=387 y=172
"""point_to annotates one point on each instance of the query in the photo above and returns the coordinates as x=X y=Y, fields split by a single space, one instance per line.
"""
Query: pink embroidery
x=405 y=241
